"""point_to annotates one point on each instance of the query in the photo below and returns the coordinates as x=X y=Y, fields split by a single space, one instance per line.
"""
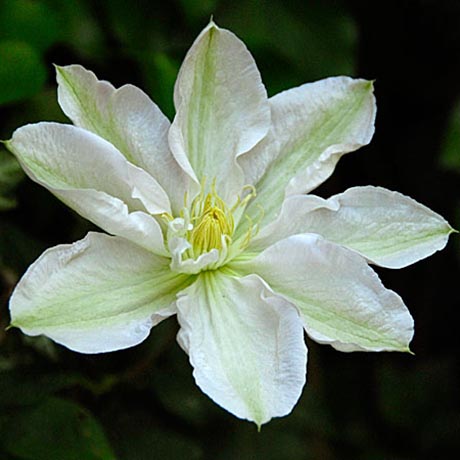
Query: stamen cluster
x=212 y=223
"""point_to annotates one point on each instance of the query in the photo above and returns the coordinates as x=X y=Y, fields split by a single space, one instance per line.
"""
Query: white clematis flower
x=211 y=221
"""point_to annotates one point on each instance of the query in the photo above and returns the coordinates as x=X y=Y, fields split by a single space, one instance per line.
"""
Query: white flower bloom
x=211 y=221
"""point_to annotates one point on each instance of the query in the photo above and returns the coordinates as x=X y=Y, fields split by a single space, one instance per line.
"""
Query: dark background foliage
x=142 y=403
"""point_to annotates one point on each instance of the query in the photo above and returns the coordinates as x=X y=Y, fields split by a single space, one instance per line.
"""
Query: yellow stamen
x=206 y=225
x=212 y=222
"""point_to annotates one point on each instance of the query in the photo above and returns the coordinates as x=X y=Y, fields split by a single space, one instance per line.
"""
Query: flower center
x=212 y=223
x=202 y=236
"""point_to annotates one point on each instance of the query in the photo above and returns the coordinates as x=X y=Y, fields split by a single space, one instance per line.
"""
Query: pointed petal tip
x=9 y=144
x=211 y=25
x=402 y=349
x=61 y=69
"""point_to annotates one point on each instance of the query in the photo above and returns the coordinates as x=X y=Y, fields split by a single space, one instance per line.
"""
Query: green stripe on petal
x=340 y=298
x=92 y=177
x=128 y=119
x=222 y=109
x=388 y=228
x=312 y=127
x=245 y=344
x=99 y=294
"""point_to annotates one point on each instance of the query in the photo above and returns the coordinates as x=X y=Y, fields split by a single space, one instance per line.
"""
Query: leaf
x=450 y=149
x=82 y=32
x=160 y=75
x=54 y=430
x=18 y=247
x=310 y=40
x=22 y=72
x=24 y=387
x=197 y=12
x=143 y=440
x=10 y=176
x=133 y=27
x=29 y=21
x=175 y=388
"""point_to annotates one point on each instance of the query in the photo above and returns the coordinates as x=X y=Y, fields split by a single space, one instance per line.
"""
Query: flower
x=211 y=219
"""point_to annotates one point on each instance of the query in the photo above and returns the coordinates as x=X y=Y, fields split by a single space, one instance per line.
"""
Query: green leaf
x=22 y=73
x=310 y=40
x=18 y=247
x=160 y=75
x=196 y=12
x=55 y=430
x=82 y=32
x=144 y=440
x=10 y=176
x=133 y=27
x=23 y=387
x=175 y=388
x=450 y=149
x=29 y=21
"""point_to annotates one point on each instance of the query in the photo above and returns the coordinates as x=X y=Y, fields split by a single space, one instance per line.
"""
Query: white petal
x=340 y=298
x=222 y=108
x=178 y=246
x=245 y=344
x=312 y=127
x=128 y=119
x=112 y=215
x=99 y=294
x=93 y=178
x=388 y=228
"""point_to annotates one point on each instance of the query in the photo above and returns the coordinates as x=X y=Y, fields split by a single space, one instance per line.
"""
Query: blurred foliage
x=22 y=74
x=142 y=403
x=56 y=429
x=449 y=158
x=10 y=176
x=450 y=148
x=28 y=29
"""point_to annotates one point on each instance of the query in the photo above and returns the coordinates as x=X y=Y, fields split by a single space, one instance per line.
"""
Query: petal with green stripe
x=312 y=127
x=387 y=228
x=340 y=298
x=222 y=109
x=246 y=345
x=128 y=119
x=99 y=294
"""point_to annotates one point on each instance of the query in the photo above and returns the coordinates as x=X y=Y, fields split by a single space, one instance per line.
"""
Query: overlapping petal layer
x=243 y=297
x=92 y=177
x=312 y=127
x=387 y=228
x=99 y=294
x=245 y=344
x=340 y=298
x=128 y=119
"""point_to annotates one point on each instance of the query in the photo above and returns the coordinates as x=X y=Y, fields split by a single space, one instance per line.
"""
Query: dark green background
x=142 y=403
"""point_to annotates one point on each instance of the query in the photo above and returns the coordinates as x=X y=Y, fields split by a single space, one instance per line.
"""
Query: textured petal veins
x=185 y=228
